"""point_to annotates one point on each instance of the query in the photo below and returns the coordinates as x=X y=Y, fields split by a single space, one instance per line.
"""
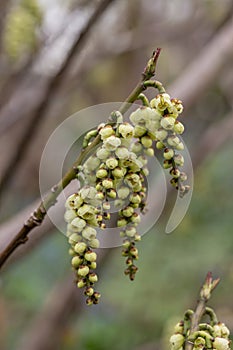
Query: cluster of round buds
x=82 y=216
x=117 y=171
x=159 y=123
x=208 y=336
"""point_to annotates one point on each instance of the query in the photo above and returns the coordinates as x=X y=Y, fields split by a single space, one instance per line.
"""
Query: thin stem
x=205 y=294
x=144 y=100
x=37 y=217
x=155 y=84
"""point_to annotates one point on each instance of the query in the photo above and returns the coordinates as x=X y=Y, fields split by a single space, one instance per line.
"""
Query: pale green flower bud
x=167 y=123
x=118 y=203
x=136 y=147
x=134 y=252
x=145 y=171
x=102 y=153
x=80 y=247
x=81 y=284
x=135 y=198
x=78 y=224
x=128 y=211
x=101 y=173
x=87 y=212
x=143 y=160
x=106 y=131
x=139 y=131
x=175 y=173
x=112 y=163
x=89 y=233
x=199 y=343
x=178 y=128
x=167 y=164
x=99 y=195
x=168 y=153
x=122 y=153
x=224 y=330
x=121 y=222
x=118 y=173
x=106 y=206
x=161 y=102
x=89 y=301
x=74 y=201
x=146 y=141
x=123 y=192
x=71 y=252
x=139 y=116
x=112 y=143
x=89 y=291
x=92 y=163
x=126 y=244
x=176 y=341
x=93 y=265
x=93 y=277
x=135 y=218
x=149 y=152
x=83 y=270
x=179 y=160
x=221 y=343
x=160 y=145
x=74 y=238
x=130 y=231
x=76 y=261
x=179 y=327
x=111 y=193
x=137 y=237
x=173 y=141
x=132 y=180
x=70 y=215
x=94 y=243
x=90 y=256
x=126 y=130
x=107 y=183
x=180 y=146
x=87 y=192
x=161 y=134
x=178 y=105
x=183 y=176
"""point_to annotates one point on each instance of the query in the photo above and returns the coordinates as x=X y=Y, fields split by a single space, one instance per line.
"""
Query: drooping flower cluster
x=82 y=217
x=213 y=335
x=161 y=125
x=113 y=191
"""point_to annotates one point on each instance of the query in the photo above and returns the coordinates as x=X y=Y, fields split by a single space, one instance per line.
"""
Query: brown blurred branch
x=49 y=93
x=205 y=67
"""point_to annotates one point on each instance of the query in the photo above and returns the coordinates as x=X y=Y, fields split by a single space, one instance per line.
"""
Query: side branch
x=37 y=217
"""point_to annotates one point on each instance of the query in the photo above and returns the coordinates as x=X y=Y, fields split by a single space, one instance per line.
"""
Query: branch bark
x=49 y=93
x=195 y=79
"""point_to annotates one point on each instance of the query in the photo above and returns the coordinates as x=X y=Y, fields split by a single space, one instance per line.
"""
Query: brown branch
x=205 y=66
x=49 y=93
x=37 y=217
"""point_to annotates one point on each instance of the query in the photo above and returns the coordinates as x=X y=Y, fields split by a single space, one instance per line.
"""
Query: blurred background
x=57 y=57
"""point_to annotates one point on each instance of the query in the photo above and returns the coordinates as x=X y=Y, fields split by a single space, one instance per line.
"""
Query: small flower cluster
x=159 y=123
x=208 y=336
x=81 y=217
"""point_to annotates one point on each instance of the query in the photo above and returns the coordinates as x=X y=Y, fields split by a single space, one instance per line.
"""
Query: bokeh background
x=45 y=77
